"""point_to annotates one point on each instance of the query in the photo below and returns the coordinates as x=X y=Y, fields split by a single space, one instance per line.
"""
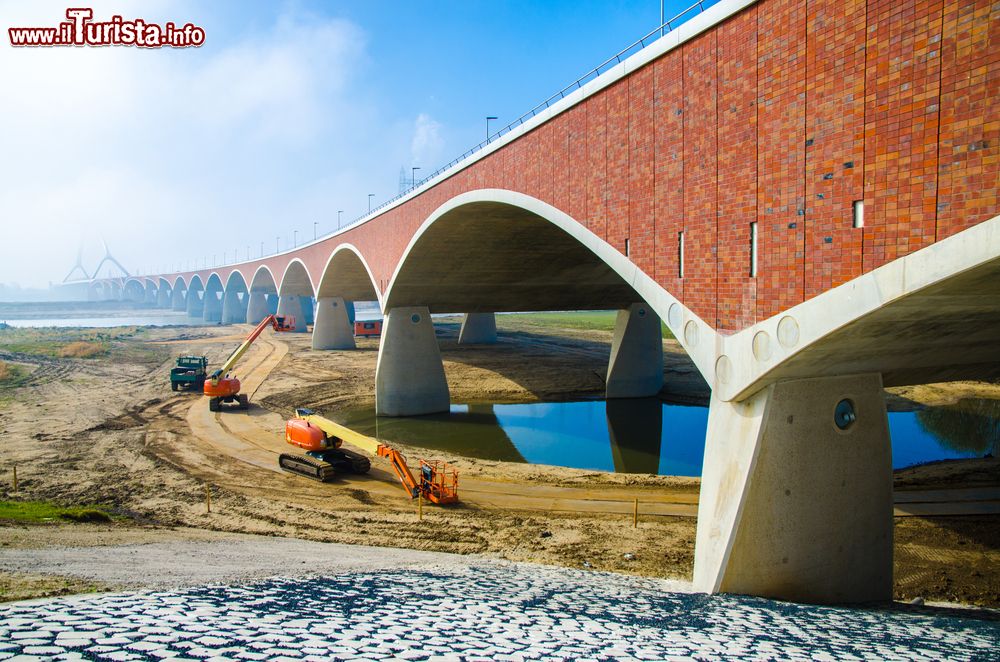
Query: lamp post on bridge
x=370 y=196
x=339 y=212
x=295 y=238
x=314 y=230
x=413 y=176
x=488 y=127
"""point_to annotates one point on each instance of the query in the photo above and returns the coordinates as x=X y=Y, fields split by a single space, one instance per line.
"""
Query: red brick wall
x=737 y=55
x=784 y=114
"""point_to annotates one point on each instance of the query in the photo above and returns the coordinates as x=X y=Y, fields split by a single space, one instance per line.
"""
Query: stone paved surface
x=486 y=612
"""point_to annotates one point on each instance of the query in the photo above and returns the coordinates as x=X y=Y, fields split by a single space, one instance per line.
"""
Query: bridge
x=804 y=192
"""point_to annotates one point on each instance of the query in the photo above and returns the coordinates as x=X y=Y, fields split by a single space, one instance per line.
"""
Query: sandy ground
x=94 y=432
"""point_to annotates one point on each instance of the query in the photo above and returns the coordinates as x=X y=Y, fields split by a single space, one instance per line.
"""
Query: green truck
x=189 y=373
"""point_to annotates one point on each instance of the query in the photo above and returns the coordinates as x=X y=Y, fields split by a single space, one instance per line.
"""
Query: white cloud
x=164 y=150
x=427 y=144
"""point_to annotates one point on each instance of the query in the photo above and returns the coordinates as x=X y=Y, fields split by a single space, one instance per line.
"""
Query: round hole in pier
x=844 y=415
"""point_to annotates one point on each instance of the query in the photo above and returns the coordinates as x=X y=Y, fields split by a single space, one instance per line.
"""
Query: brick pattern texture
x=785 y=114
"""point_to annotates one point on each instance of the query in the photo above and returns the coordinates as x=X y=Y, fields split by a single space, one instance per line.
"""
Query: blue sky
x=288 y=113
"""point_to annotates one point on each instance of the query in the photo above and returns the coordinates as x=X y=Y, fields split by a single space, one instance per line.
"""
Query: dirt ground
x=93 y=431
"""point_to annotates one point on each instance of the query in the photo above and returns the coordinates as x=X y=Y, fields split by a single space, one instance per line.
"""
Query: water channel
x=647 y=435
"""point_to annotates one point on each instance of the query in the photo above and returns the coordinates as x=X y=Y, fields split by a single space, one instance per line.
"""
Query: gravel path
x=231 y=558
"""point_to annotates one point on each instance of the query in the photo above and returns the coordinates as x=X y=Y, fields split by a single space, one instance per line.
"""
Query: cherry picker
x=220 y=387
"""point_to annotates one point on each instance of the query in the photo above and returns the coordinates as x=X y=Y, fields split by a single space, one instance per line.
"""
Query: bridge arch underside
x=235 y=299
x=498 y=257
x=345 y=280
x=263 y=296
x=295 y=294
x=135 y=291
x=212 y=300
x=485 y=257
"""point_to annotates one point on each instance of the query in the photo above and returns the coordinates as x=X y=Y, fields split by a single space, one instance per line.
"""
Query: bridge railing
x=616 y=59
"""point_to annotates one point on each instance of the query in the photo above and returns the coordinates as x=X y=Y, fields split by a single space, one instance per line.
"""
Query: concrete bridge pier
x=333 y=328
x=234 y=308
x=212 y=307
x=796 y=493
x=177 y=301
x=150 y=296
x=290 y=305
x=478 y=329
x=272 y=304
x=195 y=303
x=409 y=376
x=163 y=298
x=257 y=308
x=635 y=369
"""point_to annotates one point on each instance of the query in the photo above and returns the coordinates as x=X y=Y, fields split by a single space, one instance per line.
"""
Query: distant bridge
x=805 y=192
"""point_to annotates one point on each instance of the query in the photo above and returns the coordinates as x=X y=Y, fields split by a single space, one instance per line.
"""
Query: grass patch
x=82 y=350
x=18 y=586
x=10 y=374
x=590 y=320
x=58 y=343
x=37 y=512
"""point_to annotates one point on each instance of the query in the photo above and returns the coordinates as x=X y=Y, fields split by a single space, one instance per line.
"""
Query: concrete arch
x=194 y=303
x=348 y=276
x=163 y=293
x=263 y=298
x=264 y=281
x=495 y=250
x=214 y=292
x=236 y=299
x=134 y=290
x=295 y=294
x=296 y=280
x=178 y=292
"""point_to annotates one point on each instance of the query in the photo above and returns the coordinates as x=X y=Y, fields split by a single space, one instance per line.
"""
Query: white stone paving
x=485 y=612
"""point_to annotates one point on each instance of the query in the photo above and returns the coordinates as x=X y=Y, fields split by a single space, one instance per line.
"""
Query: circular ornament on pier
x=691 y=333
x=762 y=346
x=788 y=331
x=674 y=316
x=724 y=369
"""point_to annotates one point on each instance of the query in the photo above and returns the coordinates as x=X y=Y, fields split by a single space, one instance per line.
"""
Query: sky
x=289 y=112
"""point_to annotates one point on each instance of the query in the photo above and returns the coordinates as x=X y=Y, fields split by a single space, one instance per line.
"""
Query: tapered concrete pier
x=290 y=305
x=409 y=377
x=333 y=328
x=636 y=366
x=478 y=329
x=257 y=307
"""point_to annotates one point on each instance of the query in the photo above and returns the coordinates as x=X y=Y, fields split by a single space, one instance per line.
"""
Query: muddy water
x=647 y=435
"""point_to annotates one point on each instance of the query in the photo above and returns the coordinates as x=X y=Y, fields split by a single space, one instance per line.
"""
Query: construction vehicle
x=189 y=373
x=322 y=439
x=220 y=387
x=370 y=329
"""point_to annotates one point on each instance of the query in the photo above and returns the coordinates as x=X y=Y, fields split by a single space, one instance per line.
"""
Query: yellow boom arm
x=337 y=431
x=238 y=353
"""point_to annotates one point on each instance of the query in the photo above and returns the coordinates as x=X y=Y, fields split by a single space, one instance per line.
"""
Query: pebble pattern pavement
x=491 y=612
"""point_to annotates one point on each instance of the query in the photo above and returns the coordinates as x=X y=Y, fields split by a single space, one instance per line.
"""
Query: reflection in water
x=635 y=426
x=969 y=426
x=469 y=430
x=645 y=435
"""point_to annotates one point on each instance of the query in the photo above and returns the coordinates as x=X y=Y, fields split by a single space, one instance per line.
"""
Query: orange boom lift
x=321 y=438
x=222 y=388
